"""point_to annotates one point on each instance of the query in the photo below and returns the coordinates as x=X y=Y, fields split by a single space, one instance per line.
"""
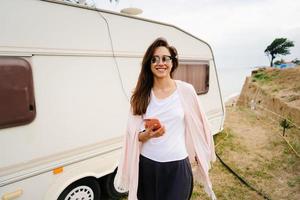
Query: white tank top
x=170 y=146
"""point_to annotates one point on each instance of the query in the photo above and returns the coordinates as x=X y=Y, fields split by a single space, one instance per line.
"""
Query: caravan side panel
x=42 y=27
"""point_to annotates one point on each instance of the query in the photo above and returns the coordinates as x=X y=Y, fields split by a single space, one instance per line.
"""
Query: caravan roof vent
x=131 y=11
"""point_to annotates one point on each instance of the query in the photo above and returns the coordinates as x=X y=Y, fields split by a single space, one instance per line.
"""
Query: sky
x=238 y=30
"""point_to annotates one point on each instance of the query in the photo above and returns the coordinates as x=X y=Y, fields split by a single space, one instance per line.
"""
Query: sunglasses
x=164 y=59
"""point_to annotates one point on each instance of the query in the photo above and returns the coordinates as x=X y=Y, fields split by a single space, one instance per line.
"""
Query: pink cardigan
x=199 y=143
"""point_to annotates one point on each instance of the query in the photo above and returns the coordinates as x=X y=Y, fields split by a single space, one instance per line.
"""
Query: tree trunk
x=272 y=58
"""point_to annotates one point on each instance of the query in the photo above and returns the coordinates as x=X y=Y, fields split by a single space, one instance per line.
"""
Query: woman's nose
x=161 y=62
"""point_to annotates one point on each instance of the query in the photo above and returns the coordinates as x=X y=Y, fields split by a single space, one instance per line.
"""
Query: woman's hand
x=149 y=133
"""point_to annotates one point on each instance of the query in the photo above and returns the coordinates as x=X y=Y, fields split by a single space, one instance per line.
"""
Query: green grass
x=261 y=77
x=293 y=136
x=264 y=77
x=294 y=181
x=270 y=172
x=197 y=192
x=226 y=140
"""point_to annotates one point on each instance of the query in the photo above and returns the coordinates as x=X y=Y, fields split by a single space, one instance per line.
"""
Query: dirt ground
x=283 y=84
x=252 y=146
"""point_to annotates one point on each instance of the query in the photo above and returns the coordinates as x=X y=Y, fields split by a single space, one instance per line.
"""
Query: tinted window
x=195 y=74
x=17 y=105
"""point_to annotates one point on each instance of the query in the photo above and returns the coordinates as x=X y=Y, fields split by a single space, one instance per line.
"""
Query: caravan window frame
x=17 y=101
x=188 y=75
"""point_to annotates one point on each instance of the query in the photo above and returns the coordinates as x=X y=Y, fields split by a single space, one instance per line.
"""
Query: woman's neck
x=163 y=84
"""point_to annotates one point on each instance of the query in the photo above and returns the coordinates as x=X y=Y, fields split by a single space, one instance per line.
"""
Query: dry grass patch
x=251 y=146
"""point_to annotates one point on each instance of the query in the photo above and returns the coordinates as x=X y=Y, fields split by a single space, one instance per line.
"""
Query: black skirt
x=165 y=180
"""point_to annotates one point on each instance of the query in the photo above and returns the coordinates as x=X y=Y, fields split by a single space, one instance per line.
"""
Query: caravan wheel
x=84 y=189
x=107 y=184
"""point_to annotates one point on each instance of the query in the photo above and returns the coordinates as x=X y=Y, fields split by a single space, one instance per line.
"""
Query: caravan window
x=194 y=73
x=16 y=92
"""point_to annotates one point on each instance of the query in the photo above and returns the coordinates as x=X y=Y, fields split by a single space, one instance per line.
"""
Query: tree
x=280 y=46
x=296 y=61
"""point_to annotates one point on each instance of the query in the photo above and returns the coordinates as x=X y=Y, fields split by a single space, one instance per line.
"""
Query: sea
x=231 y=80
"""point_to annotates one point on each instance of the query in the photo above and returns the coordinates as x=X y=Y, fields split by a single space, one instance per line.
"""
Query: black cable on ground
x=242 y=180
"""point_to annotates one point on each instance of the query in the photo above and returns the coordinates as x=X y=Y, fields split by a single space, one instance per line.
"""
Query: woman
x=155 y=162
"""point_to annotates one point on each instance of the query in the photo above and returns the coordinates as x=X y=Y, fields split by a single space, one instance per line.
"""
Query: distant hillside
x=274 y=90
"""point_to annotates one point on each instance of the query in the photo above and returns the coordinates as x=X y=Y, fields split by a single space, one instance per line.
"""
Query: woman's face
x=161 y=63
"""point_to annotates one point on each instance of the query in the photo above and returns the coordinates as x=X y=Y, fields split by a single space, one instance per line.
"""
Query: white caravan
x=66 y=76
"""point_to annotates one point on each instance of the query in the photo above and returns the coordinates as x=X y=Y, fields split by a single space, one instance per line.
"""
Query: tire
x=107 y=184
x=83 y=189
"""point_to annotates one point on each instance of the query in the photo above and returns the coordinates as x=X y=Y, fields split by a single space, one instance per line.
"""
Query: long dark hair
x=141 y=95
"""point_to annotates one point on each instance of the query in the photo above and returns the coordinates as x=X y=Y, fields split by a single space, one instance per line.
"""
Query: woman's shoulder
x=185 y=86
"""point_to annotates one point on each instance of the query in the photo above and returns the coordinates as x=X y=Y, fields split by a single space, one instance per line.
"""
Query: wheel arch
x=62 y=182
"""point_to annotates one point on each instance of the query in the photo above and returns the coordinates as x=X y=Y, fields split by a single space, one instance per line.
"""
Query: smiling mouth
x=161 y=69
